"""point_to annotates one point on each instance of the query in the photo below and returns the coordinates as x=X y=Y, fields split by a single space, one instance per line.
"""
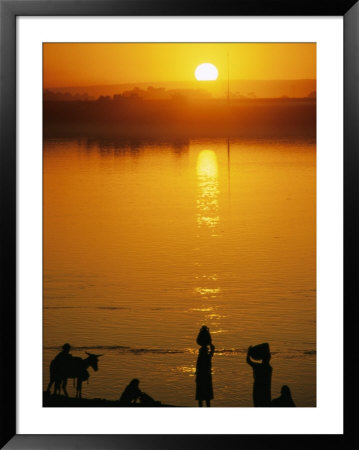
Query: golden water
x=143 y=244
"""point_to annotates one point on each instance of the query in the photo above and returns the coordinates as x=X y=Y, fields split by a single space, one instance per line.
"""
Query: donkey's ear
x=99 y=355
x=87 y=353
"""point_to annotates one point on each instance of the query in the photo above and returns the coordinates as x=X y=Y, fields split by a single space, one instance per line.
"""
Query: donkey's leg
x=64 y=384
x=49 y=386
x=79 y=387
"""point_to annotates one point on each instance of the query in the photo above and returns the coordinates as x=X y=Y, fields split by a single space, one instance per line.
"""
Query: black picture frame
x=9 y=10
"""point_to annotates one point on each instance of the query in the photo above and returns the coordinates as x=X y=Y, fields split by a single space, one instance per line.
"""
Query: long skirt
x=204 y=388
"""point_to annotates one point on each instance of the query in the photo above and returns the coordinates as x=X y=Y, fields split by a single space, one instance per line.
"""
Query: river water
x=145 y=243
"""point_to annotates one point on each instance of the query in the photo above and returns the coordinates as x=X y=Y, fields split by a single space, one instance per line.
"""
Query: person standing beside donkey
x=262 y=373
x=204 y=388
x=58 y=363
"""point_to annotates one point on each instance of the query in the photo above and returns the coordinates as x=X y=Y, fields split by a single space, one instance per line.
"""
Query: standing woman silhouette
x=204 y=388
x=262 y=374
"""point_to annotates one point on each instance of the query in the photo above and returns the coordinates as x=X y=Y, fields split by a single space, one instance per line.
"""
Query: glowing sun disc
x=206 y=72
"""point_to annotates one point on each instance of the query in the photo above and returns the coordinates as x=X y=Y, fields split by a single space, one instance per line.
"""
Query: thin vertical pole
x=228 y=79
x=228 y=144
x=229 y=169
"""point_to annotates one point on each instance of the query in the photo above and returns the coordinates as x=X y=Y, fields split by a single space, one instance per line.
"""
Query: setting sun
x=206 y=72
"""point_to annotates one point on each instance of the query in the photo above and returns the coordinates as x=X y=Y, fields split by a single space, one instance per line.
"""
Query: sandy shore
x=60 y=401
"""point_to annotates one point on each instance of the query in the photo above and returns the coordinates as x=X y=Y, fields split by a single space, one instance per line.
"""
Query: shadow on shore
x=61 y=401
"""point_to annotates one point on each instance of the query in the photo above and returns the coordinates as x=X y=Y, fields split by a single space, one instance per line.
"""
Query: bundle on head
x=260 y=351
x=204 y=336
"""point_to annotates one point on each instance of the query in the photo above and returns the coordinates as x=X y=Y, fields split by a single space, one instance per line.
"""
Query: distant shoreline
x=180 y=118
x=218 y=89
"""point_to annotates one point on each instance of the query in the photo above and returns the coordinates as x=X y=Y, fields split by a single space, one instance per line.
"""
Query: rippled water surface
x=143 y=244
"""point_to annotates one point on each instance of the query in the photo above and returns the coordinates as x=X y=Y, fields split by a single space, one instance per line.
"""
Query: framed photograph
x=175 y=179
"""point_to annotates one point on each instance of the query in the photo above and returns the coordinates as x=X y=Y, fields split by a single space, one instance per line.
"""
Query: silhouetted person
x=285 y=399
x=204 y=388
x=262 y=373
x=131 y=393
x=60 y=360
x=64 y=354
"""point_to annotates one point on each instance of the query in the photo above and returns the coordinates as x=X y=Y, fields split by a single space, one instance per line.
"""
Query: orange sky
x=97 y=64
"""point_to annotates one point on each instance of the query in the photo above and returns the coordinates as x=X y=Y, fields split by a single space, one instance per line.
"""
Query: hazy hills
x=238 y=88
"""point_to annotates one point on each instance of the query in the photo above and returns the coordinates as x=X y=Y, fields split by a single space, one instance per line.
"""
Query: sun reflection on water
x=207 y=291
x=207 y=179
x=207 y=288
